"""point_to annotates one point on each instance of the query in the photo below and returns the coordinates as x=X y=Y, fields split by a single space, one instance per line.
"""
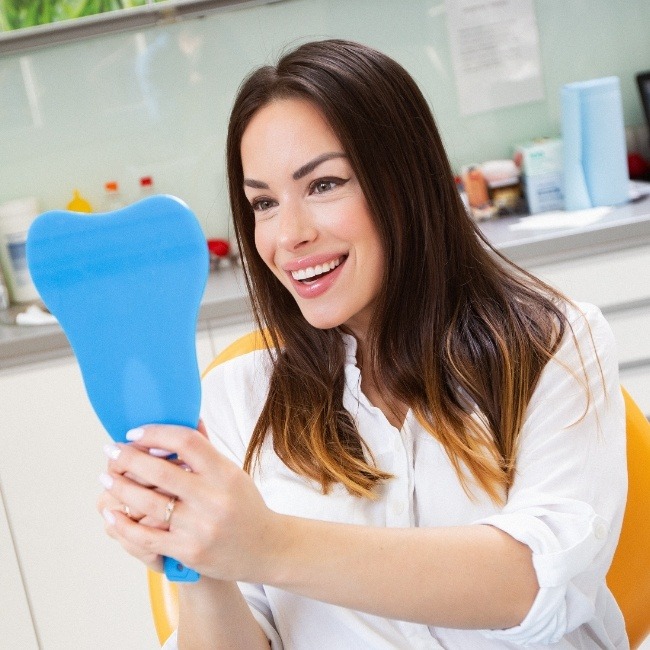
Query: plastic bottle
x=146 y=187
x=15 y=219
x=112 y=197
x=79 y=203
x=4 y=292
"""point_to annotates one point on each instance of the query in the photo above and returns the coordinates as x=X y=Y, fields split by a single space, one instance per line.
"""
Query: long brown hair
x=459 y=334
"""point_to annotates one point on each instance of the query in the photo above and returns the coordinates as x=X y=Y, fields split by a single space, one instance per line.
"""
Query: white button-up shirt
x=566 y=502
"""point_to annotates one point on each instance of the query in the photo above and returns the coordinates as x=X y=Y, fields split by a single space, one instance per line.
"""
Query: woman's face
x=313 y=228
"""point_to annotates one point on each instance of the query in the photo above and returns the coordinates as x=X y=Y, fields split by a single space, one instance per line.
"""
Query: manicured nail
x=160 y=453
x=106 y=480
x=108 y=516
x=112 y=451
x=135 y=434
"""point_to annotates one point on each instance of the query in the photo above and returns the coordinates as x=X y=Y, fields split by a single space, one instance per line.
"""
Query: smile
x=314 y=272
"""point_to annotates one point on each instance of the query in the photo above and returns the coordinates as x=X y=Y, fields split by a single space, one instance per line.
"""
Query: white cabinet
x=83 y=589
x=619 y=283
x=16 y=626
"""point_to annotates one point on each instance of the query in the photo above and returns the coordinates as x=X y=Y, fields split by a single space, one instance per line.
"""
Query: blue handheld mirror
x=126 y=287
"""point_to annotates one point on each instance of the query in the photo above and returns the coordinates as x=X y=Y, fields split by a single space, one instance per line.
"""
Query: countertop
x=527 y=240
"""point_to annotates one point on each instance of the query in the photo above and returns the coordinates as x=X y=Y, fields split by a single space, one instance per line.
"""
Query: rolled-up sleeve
x=568 y=496
x=259 y=606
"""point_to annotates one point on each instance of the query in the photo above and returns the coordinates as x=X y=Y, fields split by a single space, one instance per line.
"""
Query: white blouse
x=566 y=502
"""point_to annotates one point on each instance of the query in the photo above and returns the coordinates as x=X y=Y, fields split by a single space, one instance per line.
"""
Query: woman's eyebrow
x=310 y=166
x=300 y=172
x=258 y=185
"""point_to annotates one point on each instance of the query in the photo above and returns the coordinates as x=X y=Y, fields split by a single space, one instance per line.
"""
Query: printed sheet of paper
x=495 y=53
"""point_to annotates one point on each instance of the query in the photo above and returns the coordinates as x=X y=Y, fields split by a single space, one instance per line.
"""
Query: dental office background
x=155 y=101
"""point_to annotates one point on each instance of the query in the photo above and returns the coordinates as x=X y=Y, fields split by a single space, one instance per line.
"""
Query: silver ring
x=169 y=509
x=127 y=511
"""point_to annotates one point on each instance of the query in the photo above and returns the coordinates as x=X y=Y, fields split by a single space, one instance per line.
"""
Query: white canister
x=15 y=219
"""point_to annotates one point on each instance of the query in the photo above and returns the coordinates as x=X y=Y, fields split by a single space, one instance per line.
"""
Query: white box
x=542 y=177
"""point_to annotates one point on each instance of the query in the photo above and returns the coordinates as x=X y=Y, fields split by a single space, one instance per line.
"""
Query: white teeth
x=313 y=271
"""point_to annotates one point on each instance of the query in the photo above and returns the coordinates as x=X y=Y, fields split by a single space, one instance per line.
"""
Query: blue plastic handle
x=126 y=288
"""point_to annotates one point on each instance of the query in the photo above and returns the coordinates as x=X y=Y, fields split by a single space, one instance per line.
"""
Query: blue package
x=126 y=288
x=593 y=133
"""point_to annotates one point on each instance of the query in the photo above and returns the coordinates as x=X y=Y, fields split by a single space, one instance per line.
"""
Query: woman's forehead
x=287 y=131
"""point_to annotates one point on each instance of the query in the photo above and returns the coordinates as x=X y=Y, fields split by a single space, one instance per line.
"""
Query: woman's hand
x=219 y=524
x=111 y=508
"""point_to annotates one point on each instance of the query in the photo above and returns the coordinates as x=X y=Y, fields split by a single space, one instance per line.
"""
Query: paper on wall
x=495 y=53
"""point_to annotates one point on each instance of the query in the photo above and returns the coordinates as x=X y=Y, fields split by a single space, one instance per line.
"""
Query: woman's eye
x=261 y=205
x=326 y=185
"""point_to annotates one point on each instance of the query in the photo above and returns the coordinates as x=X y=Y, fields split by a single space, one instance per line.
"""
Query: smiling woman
x=429 y=452
x=313 y=228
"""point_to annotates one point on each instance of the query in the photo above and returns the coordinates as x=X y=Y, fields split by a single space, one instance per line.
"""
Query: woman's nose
x=296 y=226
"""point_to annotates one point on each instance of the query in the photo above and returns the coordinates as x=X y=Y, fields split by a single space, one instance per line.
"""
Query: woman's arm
x=466 y=577
x=214 y=614
x=474 y=577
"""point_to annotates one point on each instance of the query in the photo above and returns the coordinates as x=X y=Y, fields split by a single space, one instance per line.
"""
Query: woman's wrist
x=278 y=556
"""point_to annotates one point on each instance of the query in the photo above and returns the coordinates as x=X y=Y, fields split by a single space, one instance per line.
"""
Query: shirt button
x=398 y=507
x=600 y=530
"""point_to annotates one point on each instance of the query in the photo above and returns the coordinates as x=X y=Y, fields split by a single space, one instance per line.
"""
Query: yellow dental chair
x=628 y=577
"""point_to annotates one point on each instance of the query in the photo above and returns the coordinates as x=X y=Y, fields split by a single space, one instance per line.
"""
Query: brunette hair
x=459 y=334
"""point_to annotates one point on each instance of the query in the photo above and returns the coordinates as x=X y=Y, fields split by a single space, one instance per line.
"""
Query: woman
x=432 y=446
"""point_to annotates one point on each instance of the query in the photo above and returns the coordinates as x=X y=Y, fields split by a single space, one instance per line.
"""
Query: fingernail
x=135 y=434
x=106 y=480
x=111 y=450
x=161 y=453
x=108 y=516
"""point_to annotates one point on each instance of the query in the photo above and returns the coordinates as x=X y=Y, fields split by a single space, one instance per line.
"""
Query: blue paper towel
x=593 y=133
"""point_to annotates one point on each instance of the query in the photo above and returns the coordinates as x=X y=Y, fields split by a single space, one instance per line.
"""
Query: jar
x=15 y=219
x=503 y=184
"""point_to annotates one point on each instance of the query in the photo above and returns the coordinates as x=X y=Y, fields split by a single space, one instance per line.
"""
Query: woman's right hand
x=110 y=509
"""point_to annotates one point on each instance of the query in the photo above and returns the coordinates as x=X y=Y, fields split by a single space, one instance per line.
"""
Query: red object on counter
x=218 y=247
x=637 y=166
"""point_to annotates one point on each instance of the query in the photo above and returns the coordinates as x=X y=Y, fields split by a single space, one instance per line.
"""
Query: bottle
x=112 y=197
x=15 y=219
x=78 y=203
x=4 y=292
x=477 y=193
x=475 y=186
x=146 y=187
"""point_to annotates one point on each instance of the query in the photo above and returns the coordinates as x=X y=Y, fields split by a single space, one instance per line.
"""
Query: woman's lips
x=316 y=270
x=312 y=288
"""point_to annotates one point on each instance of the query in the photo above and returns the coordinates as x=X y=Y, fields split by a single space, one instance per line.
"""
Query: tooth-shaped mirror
x=126 y=288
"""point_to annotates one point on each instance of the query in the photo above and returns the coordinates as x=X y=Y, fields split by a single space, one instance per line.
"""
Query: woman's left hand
x=219 y=524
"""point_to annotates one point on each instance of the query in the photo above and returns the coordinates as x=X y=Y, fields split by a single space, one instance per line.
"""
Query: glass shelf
x=158 y=13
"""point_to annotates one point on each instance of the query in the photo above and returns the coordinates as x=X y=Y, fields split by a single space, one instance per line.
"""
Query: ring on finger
x=129 y=513
x=169 y=509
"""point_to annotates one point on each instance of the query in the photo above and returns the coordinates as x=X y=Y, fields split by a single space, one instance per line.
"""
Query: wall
x=156 y=101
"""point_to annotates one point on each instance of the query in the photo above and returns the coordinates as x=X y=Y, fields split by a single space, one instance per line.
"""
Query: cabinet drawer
x=632 y=331
x=604 y=280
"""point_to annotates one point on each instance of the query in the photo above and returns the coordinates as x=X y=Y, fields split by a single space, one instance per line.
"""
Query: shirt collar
x=350 y=349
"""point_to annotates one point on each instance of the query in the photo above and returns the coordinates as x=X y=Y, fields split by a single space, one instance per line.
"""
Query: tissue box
x=541 y=166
